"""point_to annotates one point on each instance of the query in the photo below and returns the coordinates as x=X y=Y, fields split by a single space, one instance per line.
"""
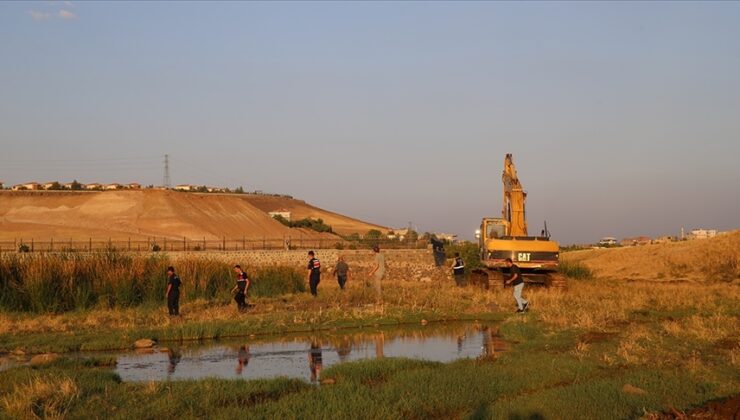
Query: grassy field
x=600 y=349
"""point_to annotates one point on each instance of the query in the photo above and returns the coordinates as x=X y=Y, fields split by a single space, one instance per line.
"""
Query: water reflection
x=242 y=358
x=173 y=356
x=287 y=356
x=315 y=361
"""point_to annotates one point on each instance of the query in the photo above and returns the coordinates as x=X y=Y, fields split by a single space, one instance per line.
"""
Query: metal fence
x=190 y=244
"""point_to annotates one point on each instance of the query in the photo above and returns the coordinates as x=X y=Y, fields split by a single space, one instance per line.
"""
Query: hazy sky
x=624 y=118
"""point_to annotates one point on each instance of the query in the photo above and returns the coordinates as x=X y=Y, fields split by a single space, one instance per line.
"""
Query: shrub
x=575 y=270
x=314 y=224
x=24 y=248
x=470 y=253
x=276 y=281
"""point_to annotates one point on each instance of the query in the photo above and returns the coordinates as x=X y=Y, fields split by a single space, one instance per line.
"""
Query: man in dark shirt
x=314 y=273
x=438 y=249
x=458 y=270
x=515 y=279
x=173 y=292
x=241 y=288
x=341 y=271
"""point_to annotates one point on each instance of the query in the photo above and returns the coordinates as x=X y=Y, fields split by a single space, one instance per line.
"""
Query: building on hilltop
x=133 y=186
x=399 y=234
x=637 y=240
x=284 y=213
x=27 y=186
x=664 y=239
x=449 y=237
x=93 y=186
x=185 y=187
x=113 y=186
x=702 y=233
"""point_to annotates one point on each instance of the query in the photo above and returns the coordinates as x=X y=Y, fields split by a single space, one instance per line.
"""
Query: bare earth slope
x=299 y=209
x=134 y=214
x=716 y=259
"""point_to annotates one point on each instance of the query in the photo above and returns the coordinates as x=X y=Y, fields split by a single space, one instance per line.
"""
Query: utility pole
x=166 y=181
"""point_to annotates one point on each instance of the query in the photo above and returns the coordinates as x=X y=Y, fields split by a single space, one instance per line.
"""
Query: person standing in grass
x=515 y=279
x=458 y=270
x=341 y=270
x=314 y=273
x=378 y=271
x=173 y=292
x=241 y=288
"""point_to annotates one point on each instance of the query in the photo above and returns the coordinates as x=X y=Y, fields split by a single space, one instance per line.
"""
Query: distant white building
x=284 y=213
x=702 y=233
x=399 y=234
x=27 y=186
x=113 y=186
x=133 y=186
x=93 y=186
x=450 y=237
x=608 y=241
x=185 y=187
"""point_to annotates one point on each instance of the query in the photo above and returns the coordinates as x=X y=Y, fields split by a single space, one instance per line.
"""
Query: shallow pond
x=304 y=356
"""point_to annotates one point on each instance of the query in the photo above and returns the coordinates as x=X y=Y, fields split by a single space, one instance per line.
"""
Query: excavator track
x=494 y=279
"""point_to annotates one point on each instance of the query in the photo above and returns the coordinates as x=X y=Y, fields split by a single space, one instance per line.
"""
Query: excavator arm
x=514 y=199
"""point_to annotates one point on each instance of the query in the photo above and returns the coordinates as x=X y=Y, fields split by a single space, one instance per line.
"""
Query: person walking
x=378 y=271
x=438 y=249
x=173 y=292
x=341 y=270
x=458 y=270
x=314 y=273
x=515 y=279
x=241 y=288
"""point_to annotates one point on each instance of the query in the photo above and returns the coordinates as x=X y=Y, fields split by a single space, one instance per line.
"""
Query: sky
x=623 y=118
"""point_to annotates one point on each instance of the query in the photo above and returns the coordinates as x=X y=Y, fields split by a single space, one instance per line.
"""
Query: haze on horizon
x=623 y=118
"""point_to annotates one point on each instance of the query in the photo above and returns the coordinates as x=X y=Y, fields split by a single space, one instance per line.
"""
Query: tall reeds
x=72 y=281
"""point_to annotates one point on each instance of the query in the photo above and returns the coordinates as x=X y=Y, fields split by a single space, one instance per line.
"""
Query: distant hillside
x=299 y=209
x=701 y=260
x=140 y=214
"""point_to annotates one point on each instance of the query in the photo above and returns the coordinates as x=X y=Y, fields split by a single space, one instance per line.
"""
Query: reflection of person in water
x=344 y=349
x=379 y=345
x=174 y=356
x=242 y=358
x=315 y=361
x=488 y=348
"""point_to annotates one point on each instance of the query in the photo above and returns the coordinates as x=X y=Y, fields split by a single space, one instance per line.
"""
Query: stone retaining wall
x=401 y=264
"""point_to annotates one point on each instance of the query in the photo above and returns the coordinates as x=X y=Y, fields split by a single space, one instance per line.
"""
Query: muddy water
x=304 y=356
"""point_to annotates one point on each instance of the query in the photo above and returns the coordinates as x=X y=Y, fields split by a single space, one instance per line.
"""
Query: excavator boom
x=514 y=199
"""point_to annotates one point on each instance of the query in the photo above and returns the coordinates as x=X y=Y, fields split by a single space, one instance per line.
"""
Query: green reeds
x=71 y=281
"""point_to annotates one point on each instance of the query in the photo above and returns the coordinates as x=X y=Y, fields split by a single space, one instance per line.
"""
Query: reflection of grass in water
x=539 y=377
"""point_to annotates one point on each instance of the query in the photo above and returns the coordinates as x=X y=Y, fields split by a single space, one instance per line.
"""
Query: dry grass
x=716 y=259
x=355 y=303
x=41 y=397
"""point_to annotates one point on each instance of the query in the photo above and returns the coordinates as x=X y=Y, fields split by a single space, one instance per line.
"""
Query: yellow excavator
x=507 y=237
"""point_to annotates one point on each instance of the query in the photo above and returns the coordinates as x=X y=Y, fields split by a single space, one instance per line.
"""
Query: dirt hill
x=140 y=214
x=716 y=259
x=299 y=209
